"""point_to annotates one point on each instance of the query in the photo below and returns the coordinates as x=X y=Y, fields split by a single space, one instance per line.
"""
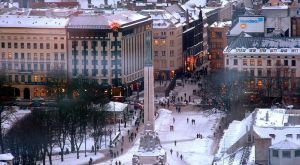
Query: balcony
x=25 y=71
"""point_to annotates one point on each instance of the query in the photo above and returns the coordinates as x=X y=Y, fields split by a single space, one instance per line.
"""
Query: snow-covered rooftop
x=116 y=106
x=275 y=7
x=264 y=45
x=6 y=157
x=285 y=145
x=271 y=118
x=32 y=21
x=221 y=24
x=105 y=20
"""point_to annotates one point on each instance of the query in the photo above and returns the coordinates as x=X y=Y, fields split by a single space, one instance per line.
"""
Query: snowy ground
x=195 y=151
x=13 y=115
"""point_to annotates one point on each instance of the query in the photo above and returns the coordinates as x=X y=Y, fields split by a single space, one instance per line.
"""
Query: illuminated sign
x=251 y=20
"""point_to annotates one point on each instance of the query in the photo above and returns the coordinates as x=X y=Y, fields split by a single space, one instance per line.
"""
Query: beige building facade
x=31 y=48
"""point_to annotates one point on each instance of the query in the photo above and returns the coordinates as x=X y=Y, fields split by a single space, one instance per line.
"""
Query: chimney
x=267 y=116
x=187 y=20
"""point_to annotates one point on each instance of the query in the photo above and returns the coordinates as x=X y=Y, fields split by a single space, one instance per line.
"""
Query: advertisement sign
x=249 y=25
x=252 y=24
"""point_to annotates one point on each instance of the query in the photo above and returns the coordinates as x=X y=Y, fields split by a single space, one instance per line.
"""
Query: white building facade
x=268 y=62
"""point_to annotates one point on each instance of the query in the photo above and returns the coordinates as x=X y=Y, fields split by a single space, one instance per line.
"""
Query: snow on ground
x=13 y=115
x=195 y=151
x=71 y=159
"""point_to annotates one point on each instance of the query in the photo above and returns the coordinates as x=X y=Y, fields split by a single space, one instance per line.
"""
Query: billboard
x=249 y=25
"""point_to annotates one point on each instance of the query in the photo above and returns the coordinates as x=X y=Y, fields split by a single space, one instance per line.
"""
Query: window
x=298 y=136
x=42 y=56
x=62 y=46
x=48 y=56
x=35 y=56
x=269 y=63
x=16 y=78
x=41 y=46
x=62 y=56
x=272 y=136
x=252 y=72
x=9 y=45
x=22 y=45
x=155 y=53
x=156 y=42
x=286 y=154
x=286 y=63
x=35 y=67
x=227 y=61
x=42 y=67
x=3 y=55
x=293 y=62
x=171 y=63
x=23 y=78
x=259 y=62
x=47 y=46
x=297 y=153
x=16 y=66
x=28 y=56
x=259 y=72
x=55 y=56
x=163 y=53
x=245 y=62
x=252 y=63
x=34 y=45
x=29 y=66
x=268 y=73
x=28 y=46
x=55 y=46
x=275 y=153
x=35 y=78
x=2 y=44
x=278 y=62
x=289 y=135
x=171 y=53
x=16 y=56
x=171 y=42
x=48 y=67
x=163 y=42
x=235 y=62
x=16 y=45
x=22 y=56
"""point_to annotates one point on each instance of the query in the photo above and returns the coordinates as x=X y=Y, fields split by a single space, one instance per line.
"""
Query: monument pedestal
x=150 y=150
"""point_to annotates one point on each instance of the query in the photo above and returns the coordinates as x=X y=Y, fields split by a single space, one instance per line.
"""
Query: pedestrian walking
x=173 y=120
x=187 y=120
x=181 y=157
x=91 y=161
x=171 y=151
x=122 y=150
x=119 y=162
x=175 y=142
x=177 y=153
x=116 y=163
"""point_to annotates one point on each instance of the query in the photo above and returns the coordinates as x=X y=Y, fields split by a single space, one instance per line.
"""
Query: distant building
x=271 y=64
x=31 y=47
x=217 y=42
x=108 y=48
x=167 y=44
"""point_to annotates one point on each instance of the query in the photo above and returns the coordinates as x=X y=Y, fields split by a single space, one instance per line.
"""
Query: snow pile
x=6 y=157
x=164 y=120
x=116 y=106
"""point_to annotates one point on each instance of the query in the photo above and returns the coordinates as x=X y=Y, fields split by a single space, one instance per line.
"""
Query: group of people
x=177 y=154
x=193 y=121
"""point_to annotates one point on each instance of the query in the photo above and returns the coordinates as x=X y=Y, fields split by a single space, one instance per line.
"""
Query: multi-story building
x=109 y=48
x=192 y=35
x=32 y=47
x=272 y=64
x=217 y=42
x=167 y=44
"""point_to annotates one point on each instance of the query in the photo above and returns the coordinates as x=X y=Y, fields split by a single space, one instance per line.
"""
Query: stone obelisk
x=150 y=150
x=148 y=86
